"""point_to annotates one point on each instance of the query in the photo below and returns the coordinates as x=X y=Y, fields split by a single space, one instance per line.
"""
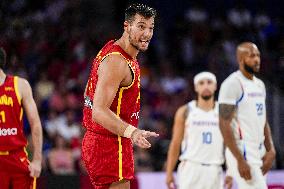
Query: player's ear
x=215 y=87
x=125 y=25
x=195 y=88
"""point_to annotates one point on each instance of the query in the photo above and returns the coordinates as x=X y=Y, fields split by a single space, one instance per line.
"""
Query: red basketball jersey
x=126 y=103
x=11 y=116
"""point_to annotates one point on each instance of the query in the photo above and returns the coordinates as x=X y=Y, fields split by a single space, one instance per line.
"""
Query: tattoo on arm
x=227 y=111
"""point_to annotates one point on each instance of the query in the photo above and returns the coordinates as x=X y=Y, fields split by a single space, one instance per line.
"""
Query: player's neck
x=123 y=42
x=206 y=105
x=247 y=74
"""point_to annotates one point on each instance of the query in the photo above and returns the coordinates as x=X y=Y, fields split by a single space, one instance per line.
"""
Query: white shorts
x=199 y=176
x=258 y=180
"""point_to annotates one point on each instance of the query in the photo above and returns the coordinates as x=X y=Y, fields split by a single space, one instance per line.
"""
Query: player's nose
x=147 y=34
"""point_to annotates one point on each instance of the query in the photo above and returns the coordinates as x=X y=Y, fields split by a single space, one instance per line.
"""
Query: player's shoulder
x=231 y=80
x=191 y=105
x=114 y=57
x=22 y=81
x=114 y=63
x=259 y=82
x=23 y=84
x=182 y=110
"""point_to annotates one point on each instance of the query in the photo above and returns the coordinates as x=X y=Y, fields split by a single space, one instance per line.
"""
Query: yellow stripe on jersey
x=16 y=86
x=4 y=153
x=34 y=183
x=119 y=137
x=21 y=114
x=26 y=152
x=118 y=113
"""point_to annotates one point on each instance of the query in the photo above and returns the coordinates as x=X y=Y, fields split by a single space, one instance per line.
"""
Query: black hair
x=141 y=9
x=2 y=58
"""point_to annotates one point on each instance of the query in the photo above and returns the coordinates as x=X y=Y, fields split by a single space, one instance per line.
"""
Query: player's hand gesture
x=267 y=161
x=139 y=137
x=35 y=168
x=244 y=169
x=170 y=182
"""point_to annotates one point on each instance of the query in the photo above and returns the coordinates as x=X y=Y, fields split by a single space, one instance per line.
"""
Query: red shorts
x=14 y=172
x=104 y=161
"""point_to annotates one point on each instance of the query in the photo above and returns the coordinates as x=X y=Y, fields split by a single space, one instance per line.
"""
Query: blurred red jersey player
x=112 y=104
x=16 y=172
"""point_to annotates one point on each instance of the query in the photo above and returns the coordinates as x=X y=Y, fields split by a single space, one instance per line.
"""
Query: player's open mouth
x=144 y=42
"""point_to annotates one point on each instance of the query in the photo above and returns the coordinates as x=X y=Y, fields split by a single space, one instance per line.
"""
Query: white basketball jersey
x=248 y=124
x=202 y=142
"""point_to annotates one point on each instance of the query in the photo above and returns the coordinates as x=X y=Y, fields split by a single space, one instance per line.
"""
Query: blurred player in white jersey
x=196 y=132
x=243 y=122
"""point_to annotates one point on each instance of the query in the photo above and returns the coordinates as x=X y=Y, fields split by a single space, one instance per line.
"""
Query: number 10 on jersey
x=206 y=137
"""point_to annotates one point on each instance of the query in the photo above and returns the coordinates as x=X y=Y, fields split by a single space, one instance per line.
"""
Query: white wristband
x=128 y=131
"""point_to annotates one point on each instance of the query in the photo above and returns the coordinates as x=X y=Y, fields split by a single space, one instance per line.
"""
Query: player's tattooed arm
x=226 y=114
x=226 y=111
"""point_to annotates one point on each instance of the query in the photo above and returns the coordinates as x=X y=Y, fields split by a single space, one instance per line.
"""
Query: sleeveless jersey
x=126 y=103
x=249 y=121
x=202 y=142
x=11 y=116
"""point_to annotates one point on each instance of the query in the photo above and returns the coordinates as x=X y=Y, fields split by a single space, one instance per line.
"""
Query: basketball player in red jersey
x=16 y=172
x=112 y=104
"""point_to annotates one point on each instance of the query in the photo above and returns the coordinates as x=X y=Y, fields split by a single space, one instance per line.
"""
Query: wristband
x=128 y=131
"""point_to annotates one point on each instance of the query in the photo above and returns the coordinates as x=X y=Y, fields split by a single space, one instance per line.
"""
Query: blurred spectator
x=239 y=16
x=64 y=125
x=60 y=158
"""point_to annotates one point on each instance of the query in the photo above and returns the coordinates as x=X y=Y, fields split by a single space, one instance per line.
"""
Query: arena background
x=52 y=44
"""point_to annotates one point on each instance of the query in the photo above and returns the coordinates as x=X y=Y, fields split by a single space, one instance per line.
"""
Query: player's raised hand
x=139 y=137
x=244 y=169
x=35 y=168
x=170 y=181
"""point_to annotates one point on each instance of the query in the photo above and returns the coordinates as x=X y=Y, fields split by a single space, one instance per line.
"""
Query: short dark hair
x=2 y=58
x=141 y=9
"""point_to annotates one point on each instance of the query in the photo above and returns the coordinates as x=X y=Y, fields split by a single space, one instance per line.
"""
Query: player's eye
x=141 y=27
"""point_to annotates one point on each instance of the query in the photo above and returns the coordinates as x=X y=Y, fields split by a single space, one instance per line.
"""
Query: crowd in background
x=52 y=43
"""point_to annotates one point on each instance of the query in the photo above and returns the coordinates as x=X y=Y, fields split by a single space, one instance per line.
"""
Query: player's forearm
x=268 y=142
x=37 y=141
x=173 y=155
x=229 y=139
x=226 y=115
x=107 y=119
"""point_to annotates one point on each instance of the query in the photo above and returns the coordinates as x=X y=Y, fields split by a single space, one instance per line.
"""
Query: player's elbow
x=97 y=114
